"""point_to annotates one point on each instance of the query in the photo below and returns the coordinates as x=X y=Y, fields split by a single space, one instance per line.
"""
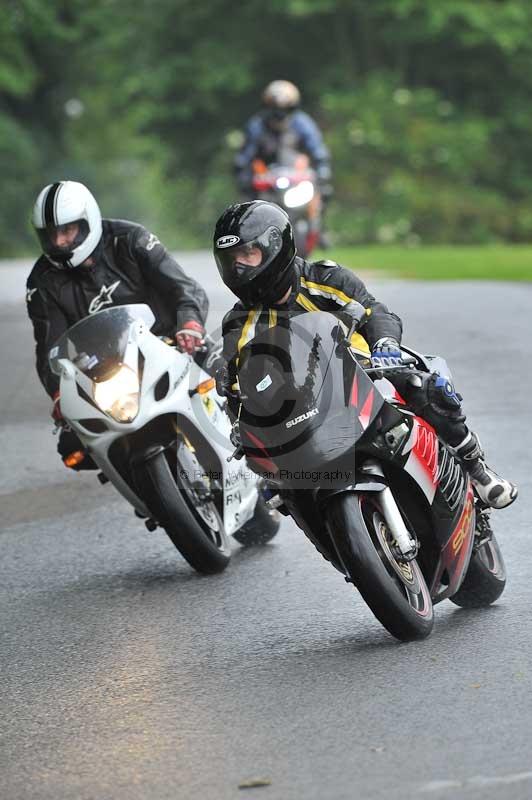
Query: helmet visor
x=244 y=262
x=277 y=118
x=59 y=242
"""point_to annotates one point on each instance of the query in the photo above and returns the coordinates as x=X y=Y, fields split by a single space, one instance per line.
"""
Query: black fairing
x=299 y=406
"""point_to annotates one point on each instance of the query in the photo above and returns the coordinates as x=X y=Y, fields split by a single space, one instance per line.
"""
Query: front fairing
x=305 y=401
x=169 y=405
x=97 y=344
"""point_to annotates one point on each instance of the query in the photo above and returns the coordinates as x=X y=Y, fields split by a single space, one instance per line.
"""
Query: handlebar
x=375 y=370
x=408 y=363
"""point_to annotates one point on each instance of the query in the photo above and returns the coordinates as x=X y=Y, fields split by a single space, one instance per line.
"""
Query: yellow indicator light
x=206 y=386
x=75 y=458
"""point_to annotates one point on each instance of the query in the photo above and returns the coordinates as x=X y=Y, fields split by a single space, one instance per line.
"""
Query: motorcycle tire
x=194 y=526
x=485 y=578
x=262 y=526
x=395 y=591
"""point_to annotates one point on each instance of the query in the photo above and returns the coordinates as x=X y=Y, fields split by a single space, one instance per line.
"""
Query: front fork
x=406 y=545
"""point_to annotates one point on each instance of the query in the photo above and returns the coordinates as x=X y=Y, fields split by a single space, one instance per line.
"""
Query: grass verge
x=487 y=262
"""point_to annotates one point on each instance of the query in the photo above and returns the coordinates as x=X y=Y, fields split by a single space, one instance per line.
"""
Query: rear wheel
x=485 y=578
x=180 y=500
x=395 y=591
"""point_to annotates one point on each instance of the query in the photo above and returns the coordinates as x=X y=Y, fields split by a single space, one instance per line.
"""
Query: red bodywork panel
x=426 y=448
x=455 y=555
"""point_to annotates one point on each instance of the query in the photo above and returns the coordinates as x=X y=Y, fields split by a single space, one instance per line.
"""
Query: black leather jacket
x=131 y=266
x=322 y=286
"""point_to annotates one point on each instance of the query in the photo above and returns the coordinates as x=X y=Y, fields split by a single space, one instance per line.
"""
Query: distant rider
x=280 y=127
x=262 y=269
x=89 y=263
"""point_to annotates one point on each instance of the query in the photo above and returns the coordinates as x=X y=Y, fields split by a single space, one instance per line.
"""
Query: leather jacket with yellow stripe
x=322 y=286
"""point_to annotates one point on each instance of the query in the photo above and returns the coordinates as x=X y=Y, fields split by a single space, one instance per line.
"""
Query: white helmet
x=282 y=95
x=64 y=203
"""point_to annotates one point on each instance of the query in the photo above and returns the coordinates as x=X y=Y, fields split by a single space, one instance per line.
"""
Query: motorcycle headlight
x=119 y=396
x=299 y=195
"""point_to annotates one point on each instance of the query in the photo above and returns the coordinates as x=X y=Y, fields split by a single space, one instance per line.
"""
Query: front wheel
x=485 y=578
x=395 y=591
x=178 y=498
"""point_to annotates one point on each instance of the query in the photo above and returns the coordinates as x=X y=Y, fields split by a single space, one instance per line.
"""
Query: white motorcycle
x=154 y=424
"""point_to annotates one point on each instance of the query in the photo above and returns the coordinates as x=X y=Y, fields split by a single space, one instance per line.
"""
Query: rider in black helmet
x=255 y=253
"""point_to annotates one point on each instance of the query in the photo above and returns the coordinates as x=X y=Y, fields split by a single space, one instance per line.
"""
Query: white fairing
x=203 y=411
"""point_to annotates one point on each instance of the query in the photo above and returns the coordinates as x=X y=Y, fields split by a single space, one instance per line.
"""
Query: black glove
x=354 y=314
x=386 y=353
x=224 y=382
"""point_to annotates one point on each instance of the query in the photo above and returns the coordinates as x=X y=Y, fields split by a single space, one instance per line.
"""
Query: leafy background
x=425 y=105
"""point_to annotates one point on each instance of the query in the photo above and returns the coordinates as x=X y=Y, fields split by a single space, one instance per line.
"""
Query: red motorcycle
x=370 y=483
x=292 y=184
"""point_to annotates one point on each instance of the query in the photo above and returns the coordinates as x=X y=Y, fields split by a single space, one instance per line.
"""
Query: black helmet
x=255 y=251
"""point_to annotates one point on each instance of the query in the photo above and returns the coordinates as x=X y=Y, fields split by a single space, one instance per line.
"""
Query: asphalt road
x=125 y=675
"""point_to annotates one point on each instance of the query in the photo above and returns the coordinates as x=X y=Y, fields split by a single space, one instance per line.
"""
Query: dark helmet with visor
x=254 y=251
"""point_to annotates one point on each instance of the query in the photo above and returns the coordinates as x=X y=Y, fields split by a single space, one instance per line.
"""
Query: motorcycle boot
x=493 y=490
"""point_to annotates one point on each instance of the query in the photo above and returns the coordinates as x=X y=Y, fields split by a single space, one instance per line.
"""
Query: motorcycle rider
x=255 y=254
x=89 y=263
x=279 y=126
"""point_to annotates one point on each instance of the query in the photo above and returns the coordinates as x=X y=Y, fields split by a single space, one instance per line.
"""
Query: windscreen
x=304 y=406
x=96 y=344
x=283 y=372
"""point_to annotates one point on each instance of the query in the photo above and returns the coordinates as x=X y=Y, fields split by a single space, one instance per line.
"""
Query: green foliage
x=491 y=262
x=425 y=105
x=420 y=168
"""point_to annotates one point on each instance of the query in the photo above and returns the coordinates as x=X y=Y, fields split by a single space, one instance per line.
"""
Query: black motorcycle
x=370 y=483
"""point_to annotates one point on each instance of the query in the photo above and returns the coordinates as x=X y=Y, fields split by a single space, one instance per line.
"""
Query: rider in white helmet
x=68 y=223
x=281 y=95
x=281 y=123
x=89 y=263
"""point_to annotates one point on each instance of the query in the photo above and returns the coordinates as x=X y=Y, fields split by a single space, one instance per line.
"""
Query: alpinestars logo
x=302 y=417
x=29 y=294
x=152 y=241
x=103 y=298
